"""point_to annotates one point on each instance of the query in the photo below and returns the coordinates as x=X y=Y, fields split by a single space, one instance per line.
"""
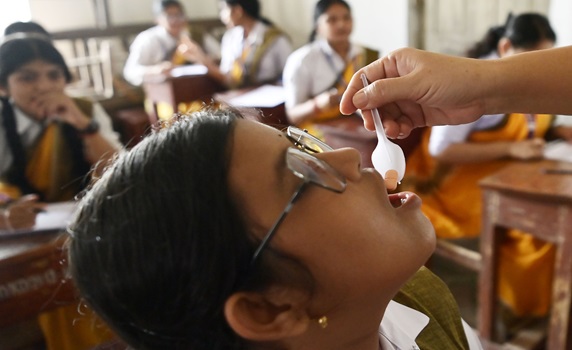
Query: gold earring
x=323 y=322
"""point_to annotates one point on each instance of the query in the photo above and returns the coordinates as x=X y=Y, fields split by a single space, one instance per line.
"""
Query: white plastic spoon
x=387 y=157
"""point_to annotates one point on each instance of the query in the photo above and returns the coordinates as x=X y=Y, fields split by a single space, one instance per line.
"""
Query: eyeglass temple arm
x=272 y=231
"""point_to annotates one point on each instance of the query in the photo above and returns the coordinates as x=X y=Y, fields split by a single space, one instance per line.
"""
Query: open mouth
x=397 y=199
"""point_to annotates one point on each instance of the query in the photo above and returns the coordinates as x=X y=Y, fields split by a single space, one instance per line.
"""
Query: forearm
x=302 y=112
x=98 y=151
x=534 y=82
x=468 y=152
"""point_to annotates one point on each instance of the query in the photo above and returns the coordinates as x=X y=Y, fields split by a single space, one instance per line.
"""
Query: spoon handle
x=377 y=121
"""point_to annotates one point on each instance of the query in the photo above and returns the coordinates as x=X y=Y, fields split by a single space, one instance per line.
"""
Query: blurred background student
x=49 y=144
x=451 y=160
x=316 y=74
x=154 y=51
x=253 y=50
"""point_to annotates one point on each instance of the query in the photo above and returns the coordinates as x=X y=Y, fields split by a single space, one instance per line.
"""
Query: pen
x=557 y=171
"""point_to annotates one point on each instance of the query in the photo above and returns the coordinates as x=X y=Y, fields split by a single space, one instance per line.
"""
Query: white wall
x=560 y=13
x=378 y=24
x=57 y=15
x=381 y=25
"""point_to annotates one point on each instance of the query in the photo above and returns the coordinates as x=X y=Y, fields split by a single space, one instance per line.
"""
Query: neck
x=247 y=25
x=355 y=328
x=341 y=48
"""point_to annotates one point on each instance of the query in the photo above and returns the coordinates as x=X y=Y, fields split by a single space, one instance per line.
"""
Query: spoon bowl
x=387 y=157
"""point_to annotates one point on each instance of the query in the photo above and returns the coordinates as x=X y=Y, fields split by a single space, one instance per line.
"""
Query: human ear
x=274 y=315
x=504 y=46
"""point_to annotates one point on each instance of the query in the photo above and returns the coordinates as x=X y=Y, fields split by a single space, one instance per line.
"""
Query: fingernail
x=360 y=99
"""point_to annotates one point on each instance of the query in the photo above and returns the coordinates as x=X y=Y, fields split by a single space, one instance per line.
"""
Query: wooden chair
x=91 y=67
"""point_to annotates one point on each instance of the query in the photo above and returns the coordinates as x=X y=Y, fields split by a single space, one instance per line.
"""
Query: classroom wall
x=379 y=24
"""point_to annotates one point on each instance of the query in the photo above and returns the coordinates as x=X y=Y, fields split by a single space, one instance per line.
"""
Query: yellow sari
x=452 y=201
x=323 y=116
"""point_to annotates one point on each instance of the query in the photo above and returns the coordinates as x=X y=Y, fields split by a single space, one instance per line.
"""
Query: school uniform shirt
x=149 y=48
x=401 y=325
x=271 y=63
x=313 y=69
x=442 y=136
x=30 y=130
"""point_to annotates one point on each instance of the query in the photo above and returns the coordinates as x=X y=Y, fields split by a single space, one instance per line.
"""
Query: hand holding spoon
x=387 y=158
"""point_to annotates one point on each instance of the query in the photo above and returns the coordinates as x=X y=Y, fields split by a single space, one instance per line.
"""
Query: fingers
x=373 y=72
x=21 y=214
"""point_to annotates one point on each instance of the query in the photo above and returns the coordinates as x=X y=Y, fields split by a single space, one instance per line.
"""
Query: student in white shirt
x=253 y=50
x=154 y=51
x=317 y=74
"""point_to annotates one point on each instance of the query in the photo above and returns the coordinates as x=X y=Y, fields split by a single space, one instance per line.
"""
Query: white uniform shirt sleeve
x=297 y=79
x=230 y=48
x=442 y=136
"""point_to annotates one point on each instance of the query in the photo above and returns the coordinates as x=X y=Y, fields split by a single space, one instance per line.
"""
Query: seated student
x=317 y=74
x=264 y=242
x=447 y=167
x=253 y=50
x=154 y=51
x=48 y=144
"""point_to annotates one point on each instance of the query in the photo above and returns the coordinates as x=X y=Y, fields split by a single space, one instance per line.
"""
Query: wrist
x=90 y=129
x=315 y=106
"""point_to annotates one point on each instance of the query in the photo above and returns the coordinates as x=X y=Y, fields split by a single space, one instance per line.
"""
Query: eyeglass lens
x=311 y=169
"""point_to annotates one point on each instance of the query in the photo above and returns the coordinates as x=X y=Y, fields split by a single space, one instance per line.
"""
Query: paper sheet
x=189 y=69
x=265 y=96
x=559 y=150
x=56 y=216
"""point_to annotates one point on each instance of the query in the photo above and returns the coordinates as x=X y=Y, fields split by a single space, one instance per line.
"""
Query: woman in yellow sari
x=317 y=74
x=452 y=159
x=48 y=144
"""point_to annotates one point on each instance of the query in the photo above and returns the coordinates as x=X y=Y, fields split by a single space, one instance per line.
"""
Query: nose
x=44 y=84
x=347 y=161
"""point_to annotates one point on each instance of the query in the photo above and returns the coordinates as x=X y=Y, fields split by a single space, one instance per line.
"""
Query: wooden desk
x=524 y=197
x=174 y=90
x=32 y=277
x=33 y=267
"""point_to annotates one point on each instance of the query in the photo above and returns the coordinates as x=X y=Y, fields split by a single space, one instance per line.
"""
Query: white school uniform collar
x=328 y=50
x=256 y=35
x=400 y=326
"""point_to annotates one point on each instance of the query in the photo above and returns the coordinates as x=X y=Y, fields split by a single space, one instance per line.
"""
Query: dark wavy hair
x=251 y=7
x=321 y=7
x=524 y=31
x=26 y=27
x=158 y=244
x=16 y=52
x=160 y=6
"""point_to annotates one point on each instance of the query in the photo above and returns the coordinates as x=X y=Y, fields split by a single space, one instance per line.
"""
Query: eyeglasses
x=308 y=168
